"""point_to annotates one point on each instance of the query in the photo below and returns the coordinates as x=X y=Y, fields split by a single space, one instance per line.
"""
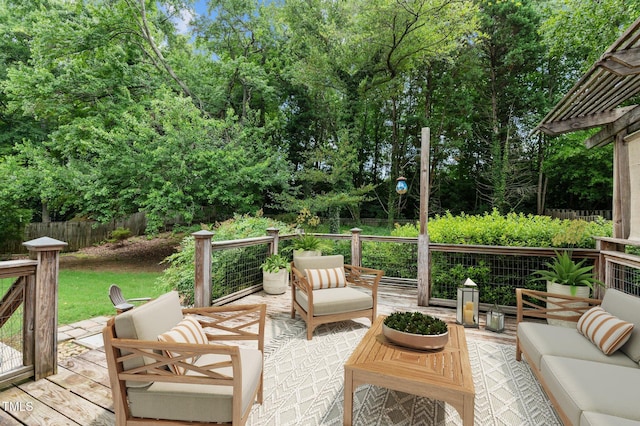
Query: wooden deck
x=80 y=395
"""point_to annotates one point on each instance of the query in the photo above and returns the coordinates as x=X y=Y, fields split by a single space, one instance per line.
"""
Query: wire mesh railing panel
x=625 y=278
x=397 y=260
x=236 y=269
x=11 y=356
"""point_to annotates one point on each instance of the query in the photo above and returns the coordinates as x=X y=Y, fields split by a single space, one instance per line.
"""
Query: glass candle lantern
x=495 y=320
x=467 y=304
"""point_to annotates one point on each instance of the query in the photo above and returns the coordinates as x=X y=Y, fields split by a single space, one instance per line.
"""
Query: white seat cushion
x=537 y=340
x=204 y=403
x=580 y=385
x=336 y=300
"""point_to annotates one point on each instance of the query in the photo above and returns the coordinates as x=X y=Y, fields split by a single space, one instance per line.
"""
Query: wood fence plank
x=68 y=404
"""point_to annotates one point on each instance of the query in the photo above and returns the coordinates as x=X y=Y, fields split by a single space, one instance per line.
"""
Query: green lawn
x=85 y=294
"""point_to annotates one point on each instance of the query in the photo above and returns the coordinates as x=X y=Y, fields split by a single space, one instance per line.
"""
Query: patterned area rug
x=303 y=384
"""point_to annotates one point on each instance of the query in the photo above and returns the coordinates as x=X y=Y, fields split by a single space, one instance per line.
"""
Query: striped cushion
x=604 y=330
x=188 y=330
x=326 y=278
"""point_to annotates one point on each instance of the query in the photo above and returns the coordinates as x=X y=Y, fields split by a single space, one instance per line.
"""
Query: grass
x=85 y=294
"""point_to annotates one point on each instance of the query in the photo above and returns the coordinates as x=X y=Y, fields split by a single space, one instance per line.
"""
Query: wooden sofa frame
x=533 y=304
x=230 y=323
x=356 y=276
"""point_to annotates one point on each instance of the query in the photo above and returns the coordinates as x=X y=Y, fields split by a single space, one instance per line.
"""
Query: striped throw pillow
x=188 y=330
x=604 y=330
x=326 y=278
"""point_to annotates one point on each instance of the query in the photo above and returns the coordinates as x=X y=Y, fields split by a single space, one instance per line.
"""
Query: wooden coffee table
x=443 y=374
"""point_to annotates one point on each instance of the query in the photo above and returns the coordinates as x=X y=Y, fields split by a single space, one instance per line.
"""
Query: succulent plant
x=416 y=323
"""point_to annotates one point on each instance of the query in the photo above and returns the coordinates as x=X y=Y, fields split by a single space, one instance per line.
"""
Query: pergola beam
x=625 y=62
x=609 y=131
x=555 y=128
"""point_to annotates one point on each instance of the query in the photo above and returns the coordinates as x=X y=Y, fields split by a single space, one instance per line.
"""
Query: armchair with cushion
x=325 y=290
x=169 y=365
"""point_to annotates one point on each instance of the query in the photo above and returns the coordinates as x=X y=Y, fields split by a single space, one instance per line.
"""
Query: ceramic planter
x=416 y=341
x=580 y=291
x=275 y=282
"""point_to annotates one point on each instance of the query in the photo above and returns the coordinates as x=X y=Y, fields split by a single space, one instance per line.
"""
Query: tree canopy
x=109 y=107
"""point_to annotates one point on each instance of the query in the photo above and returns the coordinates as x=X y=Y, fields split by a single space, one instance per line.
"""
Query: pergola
x=604 y=97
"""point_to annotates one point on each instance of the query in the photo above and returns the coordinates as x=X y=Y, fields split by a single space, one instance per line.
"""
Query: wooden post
x=423 y=238
x=273 y=246
x=47 y=252
x=356 y=247
x=621 y=189
x=202 y=285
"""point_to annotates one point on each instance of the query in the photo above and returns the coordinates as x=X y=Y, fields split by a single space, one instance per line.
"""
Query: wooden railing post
x=273 y=246
x=47 y=252
x=356 y=247
x=202 y=287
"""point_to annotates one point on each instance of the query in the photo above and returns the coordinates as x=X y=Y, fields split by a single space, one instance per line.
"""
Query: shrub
x=180 y=274
x=119 y=235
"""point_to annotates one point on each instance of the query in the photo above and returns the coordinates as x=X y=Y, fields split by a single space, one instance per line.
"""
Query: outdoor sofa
x=586 y=386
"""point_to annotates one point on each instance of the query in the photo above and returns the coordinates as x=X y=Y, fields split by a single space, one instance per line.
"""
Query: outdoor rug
x=303 y=384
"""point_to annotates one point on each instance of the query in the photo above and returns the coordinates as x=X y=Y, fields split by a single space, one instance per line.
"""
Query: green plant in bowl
x=416 y=323
x=275 y=263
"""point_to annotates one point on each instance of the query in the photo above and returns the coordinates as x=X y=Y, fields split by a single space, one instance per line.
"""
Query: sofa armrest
x=533 y=303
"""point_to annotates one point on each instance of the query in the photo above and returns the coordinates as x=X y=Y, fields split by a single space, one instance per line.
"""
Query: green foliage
x=275 y=263
x=564 y=270
x=120 y=234
x=179 y=275
x=306 y=242
x=15 y=215
x=416 y=323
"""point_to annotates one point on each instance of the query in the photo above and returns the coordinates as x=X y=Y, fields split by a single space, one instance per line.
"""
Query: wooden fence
x=588 y=215
x=76 y=234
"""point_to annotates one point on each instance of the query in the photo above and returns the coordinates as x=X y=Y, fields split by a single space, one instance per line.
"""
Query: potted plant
x=275 y=274
x=416 y=330
x=567 y=277
x=307 y=245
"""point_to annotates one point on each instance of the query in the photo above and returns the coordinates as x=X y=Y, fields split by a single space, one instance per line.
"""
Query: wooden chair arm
x=363 y=277
x=533 y=303
x=232 y=322
x=159 y=371
x=299 y=281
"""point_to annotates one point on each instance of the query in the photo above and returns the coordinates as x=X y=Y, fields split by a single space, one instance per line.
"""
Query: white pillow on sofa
x=604 y=330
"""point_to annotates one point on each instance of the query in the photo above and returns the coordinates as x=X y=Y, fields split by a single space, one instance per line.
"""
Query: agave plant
x=564 y=270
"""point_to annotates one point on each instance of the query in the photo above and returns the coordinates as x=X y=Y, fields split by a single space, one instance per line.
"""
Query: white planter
x=304 y=253
x=580 y=291
x=275 y=283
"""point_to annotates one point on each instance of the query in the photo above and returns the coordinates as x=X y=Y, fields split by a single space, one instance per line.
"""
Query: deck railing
x=497 y=270
x=29 y=313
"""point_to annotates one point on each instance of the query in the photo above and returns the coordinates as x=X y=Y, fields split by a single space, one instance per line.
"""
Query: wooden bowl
x=416 y=341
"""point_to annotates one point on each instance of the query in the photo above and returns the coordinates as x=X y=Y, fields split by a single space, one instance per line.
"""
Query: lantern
x=401 y=185
x=467 y=304
x=495 y=319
